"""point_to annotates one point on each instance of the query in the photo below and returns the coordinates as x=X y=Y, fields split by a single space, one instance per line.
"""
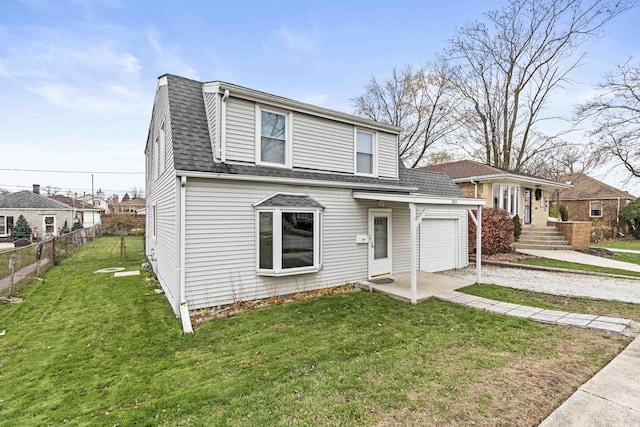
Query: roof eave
x=535 y=181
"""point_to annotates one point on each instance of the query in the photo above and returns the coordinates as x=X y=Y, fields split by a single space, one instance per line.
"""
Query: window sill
x=274 y=165
x=370 y=175
x=289 y=272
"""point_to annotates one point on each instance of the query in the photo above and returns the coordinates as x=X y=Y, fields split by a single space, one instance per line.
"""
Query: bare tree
x=420 y=101
x=136 y=193
x=51 y=191
x=615 y=112
x=564 y=159
x=4 y=191
x=508 y=67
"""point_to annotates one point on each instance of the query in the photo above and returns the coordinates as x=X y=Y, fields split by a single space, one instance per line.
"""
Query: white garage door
x=439 y=243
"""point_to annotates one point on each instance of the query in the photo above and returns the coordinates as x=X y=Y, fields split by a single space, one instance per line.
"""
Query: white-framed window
x=595 y=208
x=365 y=153
x=288 y=241
x=273 y=137
x=6 y=224
x=154 y=218
x=49 y=224
x=506 y=197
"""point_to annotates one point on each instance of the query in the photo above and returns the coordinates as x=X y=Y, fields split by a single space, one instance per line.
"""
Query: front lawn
x=626 y=243
x=554 y=263
x=92 y=349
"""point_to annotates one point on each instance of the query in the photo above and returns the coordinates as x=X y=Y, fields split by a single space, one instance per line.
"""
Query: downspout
x=223 y=126
x=184 y=309
x=475 y=196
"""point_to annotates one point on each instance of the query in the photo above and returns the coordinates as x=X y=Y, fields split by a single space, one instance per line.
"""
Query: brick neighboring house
x=592 y=200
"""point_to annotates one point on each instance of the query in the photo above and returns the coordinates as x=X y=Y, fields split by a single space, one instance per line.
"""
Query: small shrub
x=497 y=231
x=631 y=215
x=517 y=227
x=553 y=212
x=563 y=210
x=65 y=227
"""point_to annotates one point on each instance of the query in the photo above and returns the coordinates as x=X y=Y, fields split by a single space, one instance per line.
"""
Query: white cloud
x=298 y=41
x=169 y=59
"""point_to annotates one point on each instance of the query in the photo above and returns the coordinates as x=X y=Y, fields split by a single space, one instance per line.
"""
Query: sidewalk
x=612 y=396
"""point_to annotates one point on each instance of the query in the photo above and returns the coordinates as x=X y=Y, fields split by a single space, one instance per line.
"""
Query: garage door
x=439 y=243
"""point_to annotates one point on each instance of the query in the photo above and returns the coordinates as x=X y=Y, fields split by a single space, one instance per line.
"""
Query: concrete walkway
x=21 y=274
x=580 y=258
x=555 y=317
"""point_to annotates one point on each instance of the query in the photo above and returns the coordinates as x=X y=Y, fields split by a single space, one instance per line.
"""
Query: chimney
x=36 y=188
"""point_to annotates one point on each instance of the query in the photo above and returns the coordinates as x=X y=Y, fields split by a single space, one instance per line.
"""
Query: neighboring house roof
x=29 y=200
x=468 y=170
x=134 y=202
x=75 y=203
x=588 y=188
x=192 y=146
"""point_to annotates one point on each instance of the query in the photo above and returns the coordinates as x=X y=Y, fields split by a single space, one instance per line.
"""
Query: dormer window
x=273 y=146
x=365 y=153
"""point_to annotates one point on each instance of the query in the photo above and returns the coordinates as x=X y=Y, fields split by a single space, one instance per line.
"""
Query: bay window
x=506 y=197
x=288 y=240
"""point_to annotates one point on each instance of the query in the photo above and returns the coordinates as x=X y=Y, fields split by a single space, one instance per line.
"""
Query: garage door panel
x=439 y=244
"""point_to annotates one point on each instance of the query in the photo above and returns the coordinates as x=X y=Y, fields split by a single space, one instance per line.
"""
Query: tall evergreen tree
x=21 y=229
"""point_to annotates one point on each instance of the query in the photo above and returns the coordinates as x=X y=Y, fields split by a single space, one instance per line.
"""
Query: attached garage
x=439 y=245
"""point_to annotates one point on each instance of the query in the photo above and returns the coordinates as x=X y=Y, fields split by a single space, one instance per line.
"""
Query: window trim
x=3 y=223
x=513 y=191
x=44 y=224
x=277 y=269
x=374 y=149
x=154 y=224
x=591 y=209
x=161 y=140
x=288 y=137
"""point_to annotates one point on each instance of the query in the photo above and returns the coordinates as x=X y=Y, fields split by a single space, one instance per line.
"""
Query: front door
x=379 y=242
x=527 y=206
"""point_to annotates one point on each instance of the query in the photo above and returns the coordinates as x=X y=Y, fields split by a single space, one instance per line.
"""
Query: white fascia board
x=506 y=176
x=162 y=81
x=420 y=199
x=302 y=107
x=292 y=181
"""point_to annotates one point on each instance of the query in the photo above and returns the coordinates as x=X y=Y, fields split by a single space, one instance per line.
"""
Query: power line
x=85 y=172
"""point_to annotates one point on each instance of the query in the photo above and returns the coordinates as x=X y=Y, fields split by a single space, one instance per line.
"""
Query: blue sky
x=77 y=77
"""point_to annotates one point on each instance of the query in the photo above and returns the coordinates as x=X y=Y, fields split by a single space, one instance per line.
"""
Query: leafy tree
x=21 y=229
x=421 y=101
x=631 y=215
x=615 y=112
x=508 y=66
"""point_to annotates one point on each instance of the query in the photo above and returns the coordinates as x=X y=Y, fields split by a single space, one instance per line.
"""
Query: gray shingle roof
x=291 y=200
x=29 y=200
x=192 y=149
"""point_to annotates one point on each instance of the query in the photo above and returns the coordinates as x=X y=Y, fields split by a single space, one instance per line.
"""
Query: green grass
x=91 y=349
x=547 y=262
x=555 y=302
x=627 y=243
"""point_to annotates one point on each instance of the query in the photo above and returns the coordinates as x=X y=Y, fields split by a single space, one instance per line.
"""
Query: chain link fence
x=19 y=265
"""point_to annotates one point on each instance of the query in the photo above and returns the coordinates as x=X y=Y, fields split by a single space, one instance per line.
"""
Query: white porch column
x=412 y=251
x=479 y=244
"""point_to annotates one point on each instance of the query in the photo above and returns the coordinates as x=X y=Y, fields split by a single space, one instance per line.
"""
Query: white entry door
x=379 y=242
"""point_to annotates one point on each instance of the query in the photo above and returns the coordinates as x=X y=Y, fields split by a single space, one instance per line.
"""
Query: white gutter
x=223 y=127
x=475 y=184
x=295 y=181
x=419 y=199
x=184 y=309
x=518 y=178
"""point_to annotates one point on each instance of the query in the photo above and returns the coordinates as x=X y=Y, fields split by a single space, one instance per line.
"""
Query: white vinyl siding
x=322 y=144
x=240 y=130
x=387 y=155
x=221 y=242
x=211 y=101
x=161 y=194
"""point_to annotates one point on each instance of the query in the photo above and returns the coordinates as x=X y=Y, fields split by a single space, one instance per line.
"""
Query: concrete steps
x=542 y=238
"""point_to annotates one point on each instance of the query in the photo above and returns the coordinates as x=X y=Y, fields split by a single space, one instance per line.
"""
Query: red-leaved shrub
x=497 y=231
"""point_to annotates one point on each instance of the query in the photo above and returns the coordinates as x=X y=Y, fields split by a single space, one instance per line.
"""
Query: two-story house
x=252 y=195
